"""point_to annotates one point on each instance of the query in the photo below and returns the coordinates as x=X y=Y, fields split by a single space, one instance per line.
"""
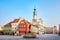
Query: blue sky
x=48 y=10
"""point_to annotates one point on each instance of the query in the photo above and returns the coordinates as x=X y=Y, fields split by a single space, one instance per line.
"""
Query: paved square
x=39 y=37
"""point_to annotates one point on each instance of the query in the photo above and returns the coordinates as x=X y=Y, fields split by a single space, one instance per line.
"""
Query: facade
x=45 y=30
x=41 y=26
x=1 y=30
x=34 y=21
x=11 y=27
x=54 y=30
x=26 y=27
x=38 y=22
x=34 y=29
x=20 y=26
x=50 y=30
x=14 y=26
x=23 y=27
x=59 y=29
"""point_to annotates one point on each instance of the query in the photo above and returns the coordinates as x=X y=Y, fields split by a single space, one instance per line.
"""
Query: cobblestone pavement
x=40 y=37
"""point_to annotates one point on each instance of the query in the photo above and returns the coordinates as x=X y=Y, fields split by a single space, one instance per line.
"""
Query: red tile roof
x=26 y=21
x=14 y=21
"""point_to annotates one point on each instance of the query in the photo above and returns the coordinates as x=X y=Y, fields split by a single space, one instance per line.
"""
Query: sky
x=48 y=10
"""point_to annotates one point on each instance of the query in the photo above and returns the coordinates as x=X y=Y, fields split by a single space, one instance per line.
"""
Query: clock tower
x=34 y=17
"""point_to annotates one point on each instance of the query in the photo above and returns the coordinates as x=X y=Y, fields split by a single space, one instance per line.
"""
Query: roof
x=14 y=21
x=26 y=21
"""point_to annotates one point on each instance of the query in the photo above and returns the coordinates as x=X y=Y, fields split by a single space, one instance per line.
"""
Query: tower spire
x=34 y=21
x=34 y=13
x=34 y=7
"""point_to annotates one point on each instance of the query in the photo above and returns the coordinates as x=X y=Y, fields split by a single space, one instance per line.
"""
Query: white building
x=37 y=22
